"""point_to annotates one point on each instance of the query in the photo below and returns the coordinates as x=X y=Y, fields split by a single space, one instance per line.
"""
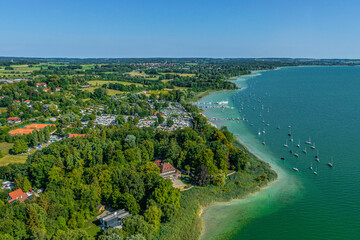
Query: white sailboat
x=311 y=167
x=264 y=141
x=298 y=145
x=309 y=141
x=330 y=164
x=295 y=169
x=286 y=144
x=259 y=133
x=315 y=172
x=313 y=146
x=304 y=151
x=317 y=157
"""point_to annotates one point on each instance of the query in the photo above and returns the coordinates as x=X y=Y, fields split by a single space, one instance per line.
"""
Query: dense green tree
x=20 y=146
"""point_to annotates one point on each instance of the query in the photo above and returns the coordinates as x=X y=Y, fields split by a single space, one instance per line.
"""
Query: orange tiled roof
x=38 y=125
x=30 y=128
x=13 y=118
x=21 y=131
x=18 y=195
x=76 y=135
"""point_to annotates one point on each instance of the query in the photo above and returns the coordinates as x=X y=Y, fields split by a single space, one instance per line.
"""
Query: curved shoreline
x=253 y=154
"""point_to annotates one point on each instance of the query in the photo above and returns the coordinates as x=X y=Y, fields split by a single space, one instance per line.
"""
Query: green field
x=5 y=148
x=12 y=159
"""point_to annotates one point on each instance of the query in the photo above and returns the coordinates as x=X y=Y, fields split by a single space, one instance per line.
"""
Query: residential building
x=167 y=170
x=114 y=219
x=14 y=120
x=17 y=195
x=42 y=84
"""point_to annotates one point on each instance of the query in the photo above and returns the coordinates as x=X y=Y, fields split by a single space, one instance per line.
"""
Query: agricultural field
x=137 y=73
x=181 y=74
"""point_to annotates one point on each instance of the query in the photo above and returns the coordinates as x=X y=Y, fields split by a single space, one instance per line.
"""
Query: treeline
x=113 y=165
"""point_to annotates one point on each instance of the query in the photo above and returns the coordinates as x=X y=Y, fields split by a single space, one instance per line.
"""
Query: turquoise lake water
x=318 y=102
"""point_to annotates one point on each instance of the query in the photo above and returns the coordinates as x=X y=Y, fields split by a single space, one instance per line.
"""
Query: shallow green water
x=321 y=102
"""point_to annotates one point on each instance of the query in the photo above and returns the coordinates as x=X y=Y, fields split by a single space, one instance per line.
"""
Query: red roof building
x=17 y=195
x=167 y=170
x=72 y=135
x=13 y=120
x=42 y=84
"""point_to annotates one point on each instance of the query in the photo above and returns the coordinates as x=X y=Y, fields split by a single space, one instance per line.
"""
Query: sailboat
x=298 y=144
x=259 y=133
x=295 y=169
x=315 y=172
x=286 y=144
x=311 y=167
x=330 y=164
x=317 y=157
x=313 y=146
x=278 y=127
x=309 y=141
x=289 y=134
x=304 y=151
x=264 y=131
x=296 y=154
x=291 y=139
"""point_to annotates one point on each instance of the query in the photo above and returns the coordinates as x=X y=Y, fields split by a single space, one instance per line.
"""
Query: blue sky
x=169 y=28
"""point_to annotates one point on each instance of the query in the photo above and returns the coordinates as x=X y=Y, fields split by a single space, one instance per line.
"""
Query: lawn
x=5 y=148
x=12 y=159
x=91 y=227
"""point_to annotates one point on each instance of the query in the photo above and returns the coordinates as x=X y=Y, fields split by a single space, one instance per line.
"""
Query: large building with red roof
x=29 y=128
x=167 y=170
x=72 y=135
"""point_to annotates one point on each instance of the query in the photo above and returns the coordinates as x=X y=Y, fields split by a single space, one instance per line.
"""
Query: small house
x=114 y=219
x=17 y=195
x=14 y=120
x=42 y=84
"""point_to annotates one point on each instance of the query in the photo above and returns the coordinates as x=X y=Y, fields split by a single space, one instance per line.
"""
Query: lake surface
x=318 y=102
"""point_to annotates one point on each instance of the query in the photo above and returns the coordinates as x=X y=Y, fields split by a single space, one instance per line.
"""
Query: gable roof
x=164 y=166
x=17 y=195
x=13 y=118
